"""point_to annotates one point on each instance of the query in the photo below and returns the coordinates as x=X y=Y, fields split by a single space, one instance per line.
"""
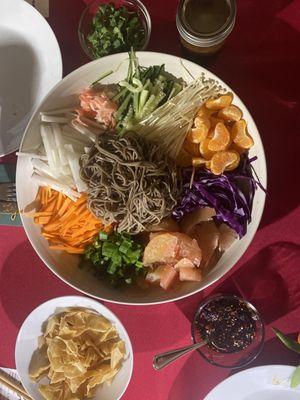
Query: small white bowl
x=27 y=343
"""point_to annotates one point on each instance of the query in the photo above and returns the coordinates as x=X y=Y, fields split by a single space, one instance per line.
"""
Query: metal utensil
x=12 y=384
x=162 y=360
x=8 y=192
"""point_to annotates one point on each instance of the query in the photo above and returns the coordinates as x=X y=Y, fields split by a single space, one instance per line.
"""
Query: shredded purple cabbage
x=230 y=194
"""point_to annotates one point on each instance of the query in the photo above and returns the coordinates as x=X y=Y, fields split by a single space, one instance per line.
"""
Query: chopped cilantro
x=114 y=30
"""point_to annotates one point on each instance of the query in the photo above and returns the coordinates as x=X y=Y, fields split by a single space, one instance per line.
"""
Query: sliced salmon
x=164 y=275
x=188 y=248
x=166 y=225
x=190 y=274
x=184 y=263
x=227 y=237
x=200 y=215
x=99 y=106
x=154 y=275
x=207 y=236
x=169 y=276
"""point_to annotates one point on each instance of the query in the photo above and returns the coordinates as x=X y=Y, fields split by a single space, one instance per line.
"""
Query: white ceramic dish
x=30 y=65
x=65 y=266
x=269 y=382
x=26 y=344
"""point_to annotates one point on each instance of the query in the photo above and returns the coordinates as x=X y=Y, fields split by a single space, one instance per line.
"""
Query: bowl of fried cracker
x=72 y=348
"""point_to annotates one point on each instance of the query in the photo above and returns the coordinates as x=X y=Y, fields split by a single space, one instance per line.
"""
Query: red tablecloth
x=261 y=62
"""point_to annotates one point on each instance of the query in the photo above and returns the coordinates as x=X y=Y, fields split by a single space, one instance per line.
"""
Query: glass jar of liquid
x=204 y=25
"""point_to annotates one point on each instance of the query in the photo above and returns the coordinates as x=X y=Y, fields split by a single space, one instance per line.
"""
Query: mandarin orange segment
x=191 y=148
x=198 y=161
x=235 y=164
x=237 y=148
x=207 y=164
x=220 y=102
x=184 y=159
x=222 y=160
x=215 y=120
x=220 y=139
x=204 y=111
x=230 y=113
x=196 y=135
x=240 y=135
x=204 y=150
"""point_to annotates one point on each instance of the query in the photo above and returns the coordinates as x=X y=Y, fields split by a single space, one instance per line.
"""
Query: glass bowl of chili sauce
x=232 y=328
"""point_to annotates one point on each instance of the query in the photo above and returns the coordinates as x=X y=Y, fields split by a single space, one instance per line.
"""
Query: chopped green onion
x=116 y=257
x=103 y=235
x=125 y=246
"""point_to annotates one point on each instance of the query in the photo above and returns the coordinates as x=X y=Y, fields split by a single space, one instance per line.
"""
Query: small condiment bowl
x=90 y=11
x=236 y=359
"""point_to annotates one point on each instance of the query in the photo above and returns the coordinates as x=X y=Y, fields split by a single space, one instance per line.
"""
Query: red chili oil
x=228 y=324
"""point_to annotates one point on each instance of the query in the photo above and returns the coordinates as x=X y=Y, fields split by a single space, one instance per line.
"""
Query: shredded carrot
x=67 y=225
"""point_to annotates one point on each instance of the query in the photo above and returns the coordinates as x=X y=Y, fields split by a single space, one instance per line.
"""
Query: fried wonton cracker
x=79 y=350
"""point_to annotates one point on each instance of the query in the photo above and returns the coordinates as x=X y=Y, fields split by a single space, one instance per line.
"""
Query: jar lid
x=205 y=39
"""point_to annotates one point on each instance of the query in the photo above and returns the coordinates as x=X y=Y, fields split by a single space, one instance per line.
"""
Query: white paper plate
x=269 y=382
x=65 y=266
x=30 y=65
x=27 y=343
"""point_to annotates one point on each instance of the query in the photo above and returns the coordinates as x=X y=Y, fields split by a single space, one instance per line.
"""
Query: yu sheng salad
x=148 y=180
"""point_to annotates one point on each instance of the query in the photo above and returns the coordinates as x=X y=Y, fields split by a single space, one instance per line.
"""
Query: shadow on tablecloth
x=25 y=283
x=274 y=353
x=270 y=280
x=197 y=377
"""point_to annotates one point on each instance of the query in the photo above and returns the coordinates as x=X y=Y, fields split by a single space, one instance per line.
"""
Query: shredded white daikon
x=59 y=111
x=56 y=185
x=59 y=141
x=53 y=118
x=56 y=162
x=31 y=155
x=73 y=160
x=85 y=131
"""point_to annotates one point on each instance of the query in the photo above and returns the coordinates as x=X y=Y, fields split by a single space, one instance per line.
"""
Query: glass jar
x=204 y=25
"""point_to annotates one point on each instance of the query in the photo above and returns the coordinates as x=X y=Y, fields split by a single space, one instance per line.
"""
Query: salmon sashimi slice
x=227 y=237
x=169 y=276
x=166 y=225
x=188 y=248
x=164 y=275
x=207 y=236
x=196 y=217
x=184 y=263
x=190 y=274
x=99 y=106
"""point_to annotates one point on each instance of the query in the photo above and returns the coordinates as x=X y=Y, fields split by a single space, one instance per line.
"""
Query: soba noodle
x=130 y=182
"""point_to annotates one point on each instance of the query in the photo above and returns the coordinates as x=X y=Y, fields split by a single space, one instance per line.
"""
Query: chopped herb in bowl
x=114 y=29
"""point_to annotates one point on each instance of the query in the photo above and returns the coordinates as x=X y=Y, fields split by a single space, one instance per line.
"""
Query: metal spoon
x=162 y=360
